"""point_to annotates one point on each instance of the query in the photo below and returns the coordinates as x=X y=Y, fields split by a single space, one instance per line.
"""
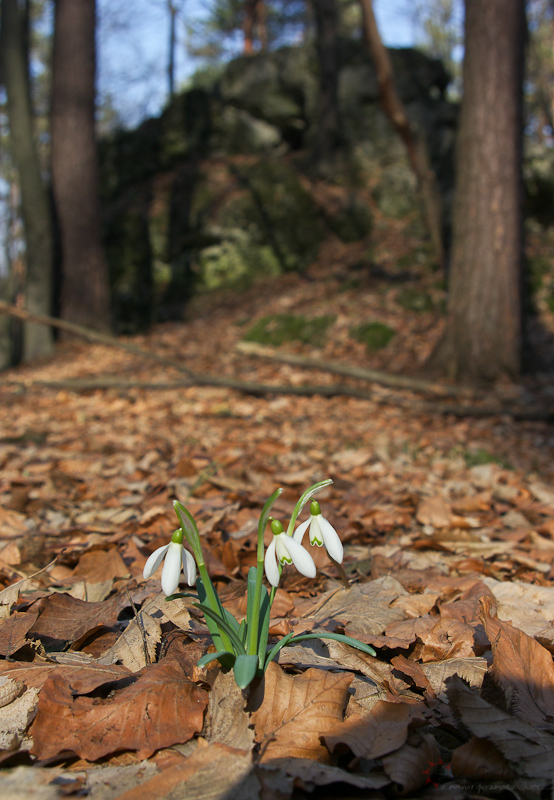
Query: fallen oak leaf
x=296 y=710
x=160 y=709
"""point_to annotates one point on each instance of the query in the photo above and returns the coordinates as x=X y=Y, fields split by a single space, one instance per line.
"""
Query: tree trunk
x=85 y=289
x=35 y=206
x=327 y=19
x=171 y=7
x=411 y=136
x=255 y=23
x=484 y=317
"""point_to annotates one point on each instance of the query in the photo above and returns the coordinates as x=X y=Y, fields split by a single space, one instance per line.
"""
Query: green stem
x=254 y=623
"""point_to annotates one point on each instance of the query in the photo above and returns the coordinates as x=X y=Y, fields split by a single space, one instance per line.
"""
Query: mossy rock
x=414 y=300
x=234 y=265
x=276 y=329
x=375 y=335
x=282 y=211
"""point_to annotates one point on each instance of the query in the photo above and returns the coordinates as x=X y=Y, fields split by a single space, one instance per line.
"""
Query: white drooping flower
x=284 y=550
x=321 y=532
x=176 y=558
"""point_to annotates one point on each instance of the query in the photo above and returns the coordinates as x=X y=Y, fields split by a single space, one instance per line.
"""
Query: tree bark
x=483 y=335
x=410 y=135
x=35 y=206
x=85 y=289
x=254 y=22
x=327 y=19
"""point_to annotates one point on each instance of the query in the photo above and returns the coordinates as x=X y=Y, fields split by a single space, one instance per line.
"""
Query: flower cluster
x=243 y=645
x=287 y=549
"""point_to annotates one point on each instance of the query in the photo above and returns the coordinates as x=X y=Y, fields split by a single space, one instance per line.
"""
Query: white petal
x=301 y=530
x=316 y=534
x=189 y=567
x=331 y=540
x=172 y=569
x=301 y=559
x=154 y=561
x=270 y=564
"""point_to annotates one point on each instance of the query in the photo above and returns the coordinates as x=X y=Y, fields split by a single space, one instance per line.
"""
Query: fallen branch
x=260 y=389
x=360 y=373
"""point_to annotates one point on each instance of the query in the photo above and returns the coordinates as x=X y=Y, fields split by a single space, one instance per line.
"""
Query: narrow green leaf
x=243 y=631
x=339 y=637
x=186 y=519
x=245 y=669
x=209 y=657
x=212 y=626
x=177 y=595
x=223 y=626
x=264 y=516
x=274 y=650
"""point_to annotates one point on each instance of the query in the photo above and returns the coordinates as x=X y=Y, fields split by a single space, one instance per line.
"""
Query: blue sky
x=133 y=50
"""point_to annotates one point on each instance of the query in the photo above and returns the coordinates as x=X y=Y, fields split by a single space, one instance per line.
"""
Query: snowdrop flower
x=284 y=550
x=176 y=558
x=321 y=532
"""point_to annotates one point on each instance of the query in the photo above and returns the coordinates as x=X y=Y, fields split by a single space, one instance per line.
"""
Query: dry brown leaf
x=101 y=565
x=160 y=709
x=448 y=638
x=213 y=771
x=15 y=718
x=372 y=734
x=480 y=760
x=136 y=647
x=472 y=670
x=523 y=668
x=528 y=750
x=296 y=710
x=434 y=511
x=65 y=618
x=366 y=607
x=412 y=766
x=84 y=676
x=14 y=629
x=227 y=722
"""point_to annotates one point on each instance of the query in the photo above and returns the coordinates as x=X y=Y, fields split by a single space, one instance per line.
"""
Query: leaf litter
x=449 y=562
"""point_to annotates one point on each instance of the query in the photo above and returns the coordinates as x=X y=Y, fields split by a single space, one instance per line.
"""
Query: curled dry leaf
x=9 y=690
x=66 y=618
x=296 y=710
x=227 y=721
x=523 y=668
x=160 y=709
x=14 y=629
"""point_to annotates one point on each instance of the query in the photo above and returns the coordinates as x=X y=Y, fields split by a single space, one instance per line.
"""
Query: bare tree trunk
x=484 y=317
x=85 y=290
x=172 y=8
x=412 y=138
x=255 y=23
x=35 y=206
x=327 y=19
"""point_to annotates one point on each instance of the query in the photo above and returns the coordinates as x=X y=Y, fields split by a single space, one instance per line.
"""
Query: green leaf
x=245 y=669
x=339 y=637
x=264 y=516
x=243 y=631
x=274 y=650
x=222 y=626
x=263 y=632
x=221 y=655
x=212 y=626
x=317 y=487
x=231 y=620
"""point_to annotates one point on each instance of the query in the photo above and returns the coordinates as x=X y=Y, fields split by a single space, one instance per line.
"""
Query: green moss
x=276 y=329
x=375 y=335
x=475 y=458
x=414 y=300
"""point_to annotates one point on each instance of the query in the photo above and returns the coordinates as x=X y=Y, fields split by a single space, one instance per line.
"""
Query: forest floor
x=447 y=521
